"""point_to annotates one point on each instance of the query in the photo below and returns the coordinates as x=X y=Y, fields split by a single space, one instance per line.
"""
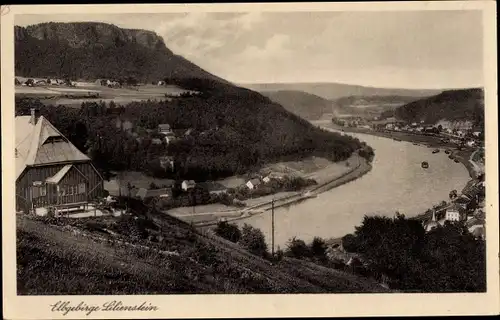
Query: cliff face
x=91 y=50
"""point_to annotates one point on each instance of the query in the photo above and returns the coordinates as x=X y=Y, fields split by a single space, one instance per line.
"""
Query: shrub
x=228 y=231
x=253 y=240
x=318 y=247
x=298 y=249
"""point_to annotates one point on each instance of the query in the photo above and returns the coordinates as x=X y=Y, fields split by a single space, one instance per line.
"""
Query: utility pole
x=272 y=227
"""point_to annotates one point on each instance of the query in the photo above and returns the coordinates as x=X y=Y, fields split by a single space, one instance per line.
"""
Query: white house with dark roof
x=253 y=183
x=188 y=184
x=50 y=170
x=164 y=128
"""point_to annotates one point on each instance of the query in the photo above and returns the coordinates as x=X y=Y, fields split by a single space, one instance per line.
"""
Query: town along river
x=397 y=182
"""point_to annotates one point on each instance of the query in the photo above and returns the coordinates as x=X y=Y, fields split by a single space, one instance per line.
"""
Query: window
x=81 y=188
x=39 y=191
x=43 y=191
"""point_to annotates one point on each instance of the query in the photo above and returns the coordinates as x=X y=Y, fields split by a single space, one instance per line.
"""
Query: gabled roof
x=42 y=143
x=60 y=174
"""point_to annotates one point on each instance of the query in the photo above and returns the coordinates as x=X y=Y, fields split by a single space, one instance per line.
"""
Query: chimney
x=33 y=117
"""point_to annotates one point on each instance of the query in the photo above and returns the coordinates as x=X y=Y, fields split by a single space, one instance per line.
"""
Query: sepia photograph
x=239 y=151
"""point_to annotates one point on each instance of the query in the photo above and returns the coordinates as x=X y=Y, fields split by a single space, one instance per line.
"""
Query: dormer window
x=54 y=139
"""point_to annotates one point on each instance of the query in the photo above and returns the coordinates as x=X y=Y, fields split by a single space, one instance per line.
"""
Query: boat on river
x=435 y=151
x=425 y=164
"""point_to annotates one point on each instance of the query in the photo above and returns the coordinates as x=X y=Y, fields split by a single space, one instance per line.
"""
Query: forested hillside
x=452 y=105
x=303 y=104
x=233 y=130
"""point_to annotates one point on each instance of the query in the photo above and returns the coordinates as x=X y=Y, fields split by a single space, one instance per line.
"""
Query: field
x=74 y=96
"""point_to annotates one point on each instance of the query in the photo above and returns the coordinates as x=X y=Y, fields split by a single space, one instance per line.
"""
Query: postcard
x=249 y=160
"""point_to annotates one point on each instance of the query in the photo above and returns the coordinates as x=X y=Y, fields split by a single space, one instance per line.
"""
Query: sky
x=406 y=49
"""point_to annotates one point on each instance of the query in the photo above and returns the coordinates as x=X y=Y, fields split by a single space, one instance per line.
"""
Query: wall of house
x=93 y=185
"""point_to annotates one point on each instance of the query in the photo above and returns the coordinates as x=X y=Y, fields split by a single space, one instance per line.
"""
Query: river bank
x=464 y=156
x=359 y=167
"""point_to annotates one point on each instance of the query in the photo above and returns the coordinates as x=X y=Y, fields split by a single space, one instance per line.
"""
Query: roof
x=190 y=182
x=145 y=193
x=60 y=174
x=255 y=181
x=213 y=186
x=42 y=143
x=456 y=207
x=164 y=126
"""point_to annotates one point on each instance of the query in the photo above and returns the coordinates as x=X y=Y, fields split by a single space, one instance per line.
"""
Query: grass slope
x=66 y=257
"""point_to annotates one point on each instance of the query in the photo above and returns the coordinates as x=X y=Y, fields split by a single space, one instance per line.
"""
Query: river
x=397 y=182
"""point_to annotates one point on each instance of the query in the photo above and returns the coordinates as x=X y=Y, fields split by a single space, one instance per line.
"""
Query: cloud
x=198 y=34
x=275 y=47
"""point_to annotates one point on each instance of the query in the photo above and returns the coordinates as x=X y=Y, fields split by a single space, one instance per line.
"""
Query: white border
x=306 y=305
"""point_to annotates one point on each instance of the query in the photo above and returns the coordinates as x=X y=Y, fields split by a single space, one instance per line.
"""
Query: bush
x=253 y=240
x=228 y=231
x=318 y=247
x=298 y=249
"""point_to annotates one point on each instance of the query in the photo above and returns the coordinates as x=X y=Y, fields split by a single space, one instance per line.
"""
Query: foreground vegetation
x=397 y=252
x=152 y=254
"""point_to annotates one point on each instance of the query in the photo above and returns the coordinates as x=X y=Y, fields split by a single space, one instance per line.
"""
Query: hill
x=156 y=255
x=303 y=104
x=333 y=91
x=451 y=105
x=91 y=50
x=370 y=105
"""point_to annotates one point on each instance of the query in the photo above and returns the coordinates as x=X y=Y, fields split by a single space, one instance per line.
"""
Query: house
x=124 y=125
x=41 y=83
x=462 y=201
x=169 y=137
x=164 y=128
x=213 y=187
x=161 y=83
x=188 y=185
x=253 y=183
x=156 y=141
x=266 y=179
x=167 y=162
x=50 y=170
x=470 y=143
x=454 y=213
x=101 y=82
x=163 y=193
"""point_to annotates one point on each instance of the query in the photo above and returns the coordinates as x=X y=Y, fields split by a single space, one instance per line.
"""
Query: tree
x=228 y=231
x=318 y=247
x=253 y=240
x=297 y=248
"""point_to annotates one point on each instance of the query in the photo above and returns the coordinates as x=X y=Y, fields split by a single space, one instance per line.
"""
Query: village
x=460 y=133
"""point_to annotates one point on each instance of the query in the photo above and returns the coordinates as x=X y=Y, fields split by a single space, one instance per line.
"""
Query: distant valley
x=333 y=91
